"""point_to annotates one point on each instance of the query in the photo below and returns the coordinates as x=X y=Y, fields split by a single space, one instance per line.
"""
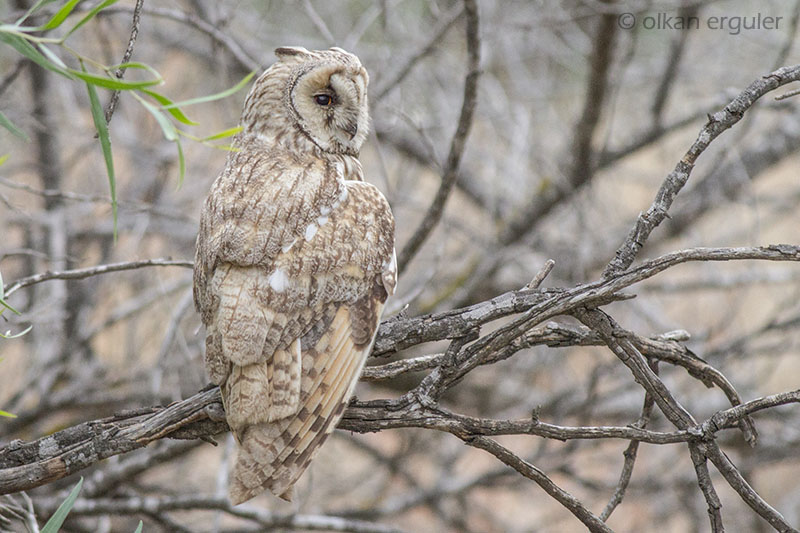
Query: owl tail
x=273 y=455
x=259 y=466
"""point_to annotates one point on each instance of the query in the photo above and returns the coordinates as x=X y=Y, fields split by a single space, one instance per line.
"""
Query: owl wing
x=289 y=334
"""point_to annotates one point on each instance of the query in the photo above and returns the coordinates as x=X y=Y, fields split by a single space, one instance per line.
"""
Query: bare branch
x=590 y=520
x=82 y=273
x=580 y=160
x=112 y=103
x=318 y=22
x=458 y=142
x=245 y=60
x=446 y=22
x=262 y=517
x=32 y=464
x=717 y=123
x=630 y=458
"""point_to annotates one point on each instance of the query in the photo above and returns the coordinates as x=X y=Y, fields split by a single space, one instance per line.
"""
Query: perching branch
x=26 y=465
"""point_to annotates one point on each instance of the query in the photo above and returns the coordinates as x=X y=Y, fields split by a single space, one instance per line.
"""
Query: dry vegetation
x=600 y=395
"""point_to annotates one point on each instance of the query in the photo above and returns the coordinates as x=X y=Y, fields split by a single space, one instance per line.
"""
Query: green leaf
x=105 y=143
x=8 y=335
x=36 y=7
x=53 y=525
x=90 y=15
x=10 y=126
x=7 y=415
x=3 y=159
x=167 y=127
x=25 y=48
x=223 y=134
x=139 y=527
x=175 y=112
x=51 y=56
x=8 y=306
x=2 y=295
x=113 y=83
x=212 y=97
x=137 y=65
x=181 y=163
x=60 y=15
x=170 y=133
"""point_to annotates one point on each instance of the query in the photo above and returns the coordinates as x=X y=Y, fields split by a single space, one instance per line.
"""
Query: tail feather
x=273 y=455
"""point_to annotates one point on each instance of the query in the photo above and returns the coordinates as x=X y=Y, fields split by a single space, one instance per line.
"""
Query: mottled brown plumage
x=295 y=259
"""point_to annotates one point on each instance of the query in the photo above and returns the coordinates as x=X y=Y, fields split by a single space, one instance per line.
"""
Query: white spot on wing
x=341 y=198
x=278 y=280
x=389 y=273
x=321 y=220
x=311 y=230
x=286 y=247
x=391 y=264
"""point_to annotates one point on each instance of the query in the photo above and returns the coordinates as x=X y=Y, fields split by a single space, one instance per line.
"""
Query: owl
x=295 y=260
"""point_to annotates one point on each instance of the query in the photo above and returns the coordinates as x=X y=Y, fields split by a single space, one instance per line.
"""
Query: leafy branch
x=35 y=43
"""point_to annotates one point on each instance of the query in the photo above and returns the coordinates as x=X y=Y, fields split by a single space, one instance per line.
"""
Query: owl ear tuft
x=291 y=54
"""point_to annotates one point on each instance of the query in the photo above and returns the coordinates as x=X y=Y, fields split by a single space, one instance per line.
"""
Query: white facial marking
x=278 y=280
x=311 y=230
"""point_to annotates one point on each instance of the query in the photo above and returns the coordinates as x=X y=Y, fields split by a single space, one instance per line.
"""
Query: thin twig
x=126 y=57
x=630 y=458
x=137 y=207
x=82 y=273
x=717 y=123
x=667 y=78
x=246 y=61
x=9 y=78
x=446 y=22
x=580 y=159
x=319 y=22
x=265 y=519
x=457 y=144
x=589 y=519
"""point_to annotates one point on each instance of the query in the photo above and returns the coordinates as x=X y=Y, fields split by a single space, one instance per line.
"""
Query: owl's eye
x=323 y=99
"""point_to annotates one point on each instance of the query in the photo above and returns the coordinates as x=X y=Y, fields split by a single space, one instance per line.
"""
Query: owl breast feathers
x=295 y=260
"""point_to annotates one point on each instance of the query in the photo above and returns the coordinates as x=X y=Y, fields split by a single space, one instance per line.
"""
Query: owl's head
x=321 y=94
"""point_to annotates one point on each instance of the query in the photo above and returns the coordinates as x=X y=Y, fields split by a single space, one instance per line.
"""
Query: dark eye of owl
x=323 y=99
